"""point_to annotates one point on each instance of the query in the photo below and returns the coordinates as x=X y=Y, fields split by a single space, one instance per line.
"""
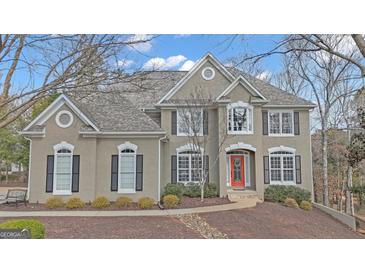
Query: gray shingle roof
x=146 y=91
x=111 y=111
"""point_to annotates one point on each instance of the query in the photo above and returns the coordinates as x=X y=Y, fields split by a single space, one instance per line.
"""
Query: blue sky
x=173 y=51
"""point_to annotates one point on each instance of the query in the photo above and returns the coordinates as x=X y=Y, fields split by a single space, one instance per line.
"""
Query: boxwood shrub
x=278 y=193
x=191 y=190
x=35 y=227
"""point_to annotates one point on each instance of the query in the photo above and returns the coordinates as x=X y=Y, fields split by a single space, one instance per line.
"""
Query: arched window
x=189 y=164
x=63 y=169
x=240 y=118
x=282 y=165
x=127 y=168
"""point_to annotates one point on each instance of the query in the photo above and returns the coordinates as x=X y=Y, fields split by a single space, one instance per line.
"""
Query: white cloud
x=141 y=46
x=265 y=75
x=125 y=63
x=158 y=63
x=187 y=65
x=182 y=35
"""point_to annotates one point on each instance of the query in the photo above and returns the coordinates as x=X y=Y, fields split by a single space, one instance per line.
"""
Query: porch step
x=243 y=195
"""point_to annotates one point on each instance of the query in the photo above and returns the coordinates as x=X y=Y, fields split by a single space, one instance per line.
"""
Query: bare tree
x=193 y=113
x=36 y=66
x=322 y=76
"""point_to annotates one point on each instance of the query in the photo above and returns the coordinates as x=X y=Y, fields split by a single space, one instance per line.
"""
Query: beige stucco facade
x=96 y=150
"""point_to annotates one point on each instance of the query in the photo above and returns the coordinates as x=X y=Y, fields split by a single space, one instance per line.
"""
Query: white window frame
x=208 y=78
x=58 y=122
x=190 y=133
x=230 y=111
x=181 y=151
x=282 y=149
x=280 y=123
x=127 y=145
x=56 y=148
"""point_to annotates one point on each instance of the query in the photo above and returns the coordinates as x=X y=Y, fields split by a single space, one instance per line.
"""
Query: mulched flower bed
x=185 y=203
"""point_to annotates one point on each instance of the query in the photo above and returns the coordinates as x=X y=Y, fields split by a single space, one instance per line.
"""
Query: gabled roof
x=192 y=71
x=52 y=108
x=241 y=80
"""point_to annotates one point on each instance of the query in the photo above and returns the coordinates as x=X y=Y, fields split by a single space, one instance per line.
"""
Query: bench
x=14 y=196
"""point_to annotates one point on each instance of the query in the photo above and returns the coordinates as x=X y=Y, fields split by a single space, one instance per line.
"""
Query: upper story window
x=208 y=73
x=63 y=168
x=64 y=119
x=189 y=121
x=282 y=165
x=281 y=123
x=127 y=168
x=240 y=118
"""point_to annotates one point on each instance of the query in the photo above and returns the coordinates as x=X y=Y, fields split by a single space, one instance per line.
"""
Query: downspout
x=29 y=165
x=159 y=169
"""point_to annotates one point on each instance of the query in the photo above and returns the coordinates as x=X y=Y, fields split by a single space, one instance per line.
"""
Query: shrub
x=306 y=205
x=35 y=227
x=100 y=202
x=278 y=193
x=194 y=191
x=290 y=202
x=123 y=202
x=174 y=189
x=75 y=202
x=146 y=203
x=54 y=202
x=170 y=201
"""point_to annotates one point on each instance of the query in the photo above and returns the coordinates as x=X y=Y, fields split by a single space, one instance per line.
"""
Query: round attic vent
x=64 y=118
x=208 y=73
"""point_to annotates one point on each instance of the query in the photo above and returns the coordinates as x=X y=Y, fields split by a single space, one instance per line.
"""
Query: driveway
x=274 y=221
x=265 y=221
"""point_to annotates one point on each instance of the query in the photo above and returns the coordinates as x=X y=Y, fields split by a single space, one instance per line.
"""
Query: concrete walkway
x=128 y=213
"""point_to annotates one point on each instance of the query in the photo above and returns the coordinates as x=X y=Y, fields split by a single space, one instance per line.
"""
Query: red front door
x=237 y=171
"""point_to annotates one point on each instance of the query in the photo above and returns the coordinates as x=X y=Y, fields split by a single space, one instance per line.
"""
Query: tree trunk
x=6 y=174
x=325 y=164
x=360 y=42
x=349 y=196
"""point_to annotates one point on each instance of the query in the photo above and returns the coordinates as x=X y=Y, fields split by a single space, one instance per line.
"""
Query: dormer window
x=240 y=118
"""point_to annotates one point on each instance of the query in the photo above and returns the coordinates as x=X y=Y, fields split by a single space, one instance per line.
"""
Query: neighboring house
x=130 y=142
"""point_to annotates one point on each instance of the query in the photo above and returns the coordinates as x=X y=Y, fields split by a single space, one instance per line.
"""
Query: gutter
x=159 y=168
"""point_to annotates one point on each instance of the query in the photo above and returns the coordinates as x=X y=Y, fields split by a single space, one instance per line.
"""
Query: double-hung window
x=127 y=168
x=189 y=166
x=189 y=121
x=282 y=167
x=281 y=123
x=240 y=118
x=63 y=169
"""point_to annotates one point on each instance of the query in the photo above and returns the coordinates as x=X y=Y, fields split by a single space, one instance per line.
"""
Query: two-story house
x=130 y=140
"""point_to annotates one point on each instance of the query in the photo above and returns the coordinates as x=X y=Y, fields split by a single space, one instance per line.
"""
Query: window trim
x=240 y=104
x=181 y=151
x=178 y=133
x=282 y=149
x=121 y=147
x=208 y=78
x=56 y=148
x=280 y=111
x=58 y=122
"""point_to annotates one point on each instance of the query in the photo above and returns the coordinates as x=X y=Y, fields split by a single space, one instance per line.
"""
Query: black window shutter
x=139 y=173
x=266 y=170
x=298 y=169
x=205 y=122
x=173 y=122
x=49 y=177
x=296 y=123
x=206 y=167
x=75 y=173
x=173 y=169
x=265 y=123
x=114 y=182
